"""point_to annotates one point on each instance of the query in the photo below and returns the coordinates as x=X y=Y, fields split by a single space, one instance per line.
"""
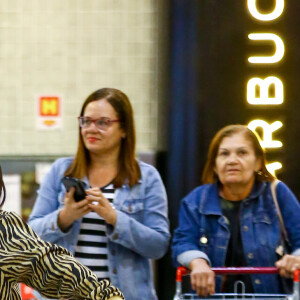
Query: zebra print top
x=46 y=267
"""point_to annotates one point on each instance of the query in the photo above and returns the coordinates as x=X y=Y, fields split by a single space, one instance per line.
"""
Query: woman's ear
x=215 y=170
x=258 y=165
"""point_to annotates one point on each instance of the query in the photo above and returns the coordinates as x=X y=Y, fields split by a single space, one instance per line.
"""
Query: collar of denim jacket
x=209 y=199
x=257 y=189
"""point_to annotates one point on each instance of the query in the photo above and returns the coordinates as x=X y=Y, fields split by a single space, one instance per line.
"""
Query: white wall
x=71 y=48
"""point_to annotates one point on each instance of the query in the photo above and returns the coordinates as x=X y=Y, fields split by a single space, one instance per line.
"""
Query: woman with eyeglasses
x=50 y=269
x=122 y=222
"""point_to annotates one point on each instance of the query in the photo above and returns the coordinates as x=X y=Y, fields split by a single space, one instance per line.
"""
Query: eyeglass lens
x=102 y=124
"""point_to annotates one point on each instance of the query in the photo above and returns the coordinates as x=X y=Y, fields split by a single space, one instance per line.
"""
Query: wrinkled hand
x=72 y=210
x=102 y=206
x=288 y=265
x=202 y=277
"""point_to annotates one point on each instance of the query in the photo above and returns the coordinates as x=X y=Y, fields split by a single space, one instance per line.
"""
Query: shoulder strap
x=273 y=190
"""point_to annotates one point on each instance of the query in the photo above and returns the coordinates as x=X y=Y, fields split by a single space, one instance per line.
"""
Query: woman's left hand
x=288 y=265
x=101 y=205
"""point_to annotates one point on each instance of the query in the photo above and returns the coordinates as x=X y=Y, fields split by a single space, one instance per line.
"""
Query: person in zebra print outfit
x=46 y=267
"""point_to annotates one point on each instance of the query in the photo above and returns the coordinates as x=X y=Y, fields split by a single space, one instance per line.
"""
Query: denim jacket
x=201 y=216
x=141 y=232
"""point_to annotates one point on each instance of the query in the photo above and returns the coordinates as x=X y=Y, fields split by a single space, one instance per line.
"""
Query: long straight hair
x=128 y=169
x=2 y=189
x=209 y=175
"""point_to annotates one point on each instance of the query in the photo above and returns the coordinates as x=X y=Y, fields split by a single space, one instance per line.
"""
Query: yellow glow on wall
x=279 y=48
x=272 y=167
x=267 y=129
x=264 y=85
x=279 y=6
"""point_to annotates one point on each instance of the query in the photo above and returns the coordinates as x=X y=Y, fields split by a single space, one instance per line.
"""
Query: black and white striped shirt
x=91 y=249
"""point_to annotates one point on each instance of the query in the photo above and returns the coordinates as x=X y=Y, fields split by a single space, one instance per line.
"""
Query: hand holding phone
x=70 y=182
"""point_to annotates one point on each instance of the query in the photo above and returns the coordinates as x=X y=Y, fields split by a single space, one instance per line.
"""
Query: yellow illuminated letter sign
x=268 y=90
x=279 y=48
x=279 y=6
x=268 y=129
x=49 y=106
x=264 y=85
x=272 y=167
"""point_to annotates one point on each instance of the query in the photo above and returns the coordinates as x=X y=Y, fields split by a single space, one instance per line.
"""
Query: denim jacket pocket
x=133 y=206
x=262 y=225
x=214 y=245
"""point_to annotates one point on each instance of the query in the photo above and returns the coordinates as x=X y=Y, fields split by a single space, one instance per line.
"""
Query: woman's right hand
x=202 y=277
x=72 y=210
x=287 y=265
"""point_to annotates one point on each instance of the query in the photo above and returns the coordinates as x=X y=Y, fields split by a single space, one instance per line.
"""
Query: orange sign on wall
x=49 y=106
x=49 y=112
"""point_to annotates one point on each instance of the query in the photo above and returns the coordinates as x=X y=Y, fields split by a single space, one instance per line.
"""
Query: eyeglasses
x=102 y=123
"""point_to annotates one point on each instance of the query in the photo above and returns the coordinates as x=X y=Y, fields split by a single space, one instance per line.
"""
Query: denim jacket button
x=115 y=271
x=245 y=228
x=250 y=255
x=257 y=281
x=203 y=240
x=115 y=236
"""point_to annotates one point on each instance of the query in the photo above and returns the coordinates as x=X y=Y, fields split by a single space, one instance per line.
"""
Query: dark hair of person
x=128 y=169
x=209 y=175
x=2 y=189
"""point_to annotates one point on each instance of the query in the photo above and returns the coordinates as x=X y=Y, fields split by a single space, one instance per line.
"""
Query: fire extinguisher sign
x=49 y=113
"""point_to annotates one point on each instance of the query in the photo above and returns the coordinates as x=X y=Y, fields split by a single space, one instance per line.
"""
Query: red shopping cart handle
x=181 y=271
x=246 y=270
x=297 y=276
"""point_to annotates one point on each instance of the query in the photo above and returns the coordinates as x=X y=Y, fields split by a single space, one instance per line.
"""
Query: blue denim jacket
x=141 y=232
x=201 y=216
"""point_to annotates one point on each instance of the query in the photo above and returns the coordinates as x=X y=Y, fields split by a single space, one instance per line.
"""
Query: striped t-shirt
x=91 y=249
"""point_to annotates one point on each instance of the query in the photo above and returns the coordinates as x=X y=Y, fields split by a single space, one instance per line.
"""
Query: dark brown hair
x=2 y=189
x=209 y=175
x=128 y=166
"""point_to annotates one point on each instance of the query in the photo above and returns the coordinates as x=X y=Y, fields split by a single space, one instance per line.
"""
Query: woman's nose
x=232 y=158
x=93 y=126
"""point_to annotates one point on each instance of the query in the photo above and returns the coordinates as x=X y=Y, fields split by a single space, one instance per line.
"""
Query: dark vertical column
x=182 y=169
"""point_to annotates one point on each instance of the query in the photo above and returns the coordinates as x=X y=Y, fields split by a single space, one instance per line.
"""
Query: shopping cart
x=181 y=271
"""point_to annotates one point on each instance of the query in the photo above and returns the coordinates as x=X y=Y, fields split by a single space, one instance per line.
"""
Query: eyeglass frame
x=94 y=121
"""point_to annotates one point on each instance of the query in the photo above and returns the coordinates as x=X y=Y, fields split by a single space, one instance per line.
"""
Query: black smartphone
x=79 y=193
